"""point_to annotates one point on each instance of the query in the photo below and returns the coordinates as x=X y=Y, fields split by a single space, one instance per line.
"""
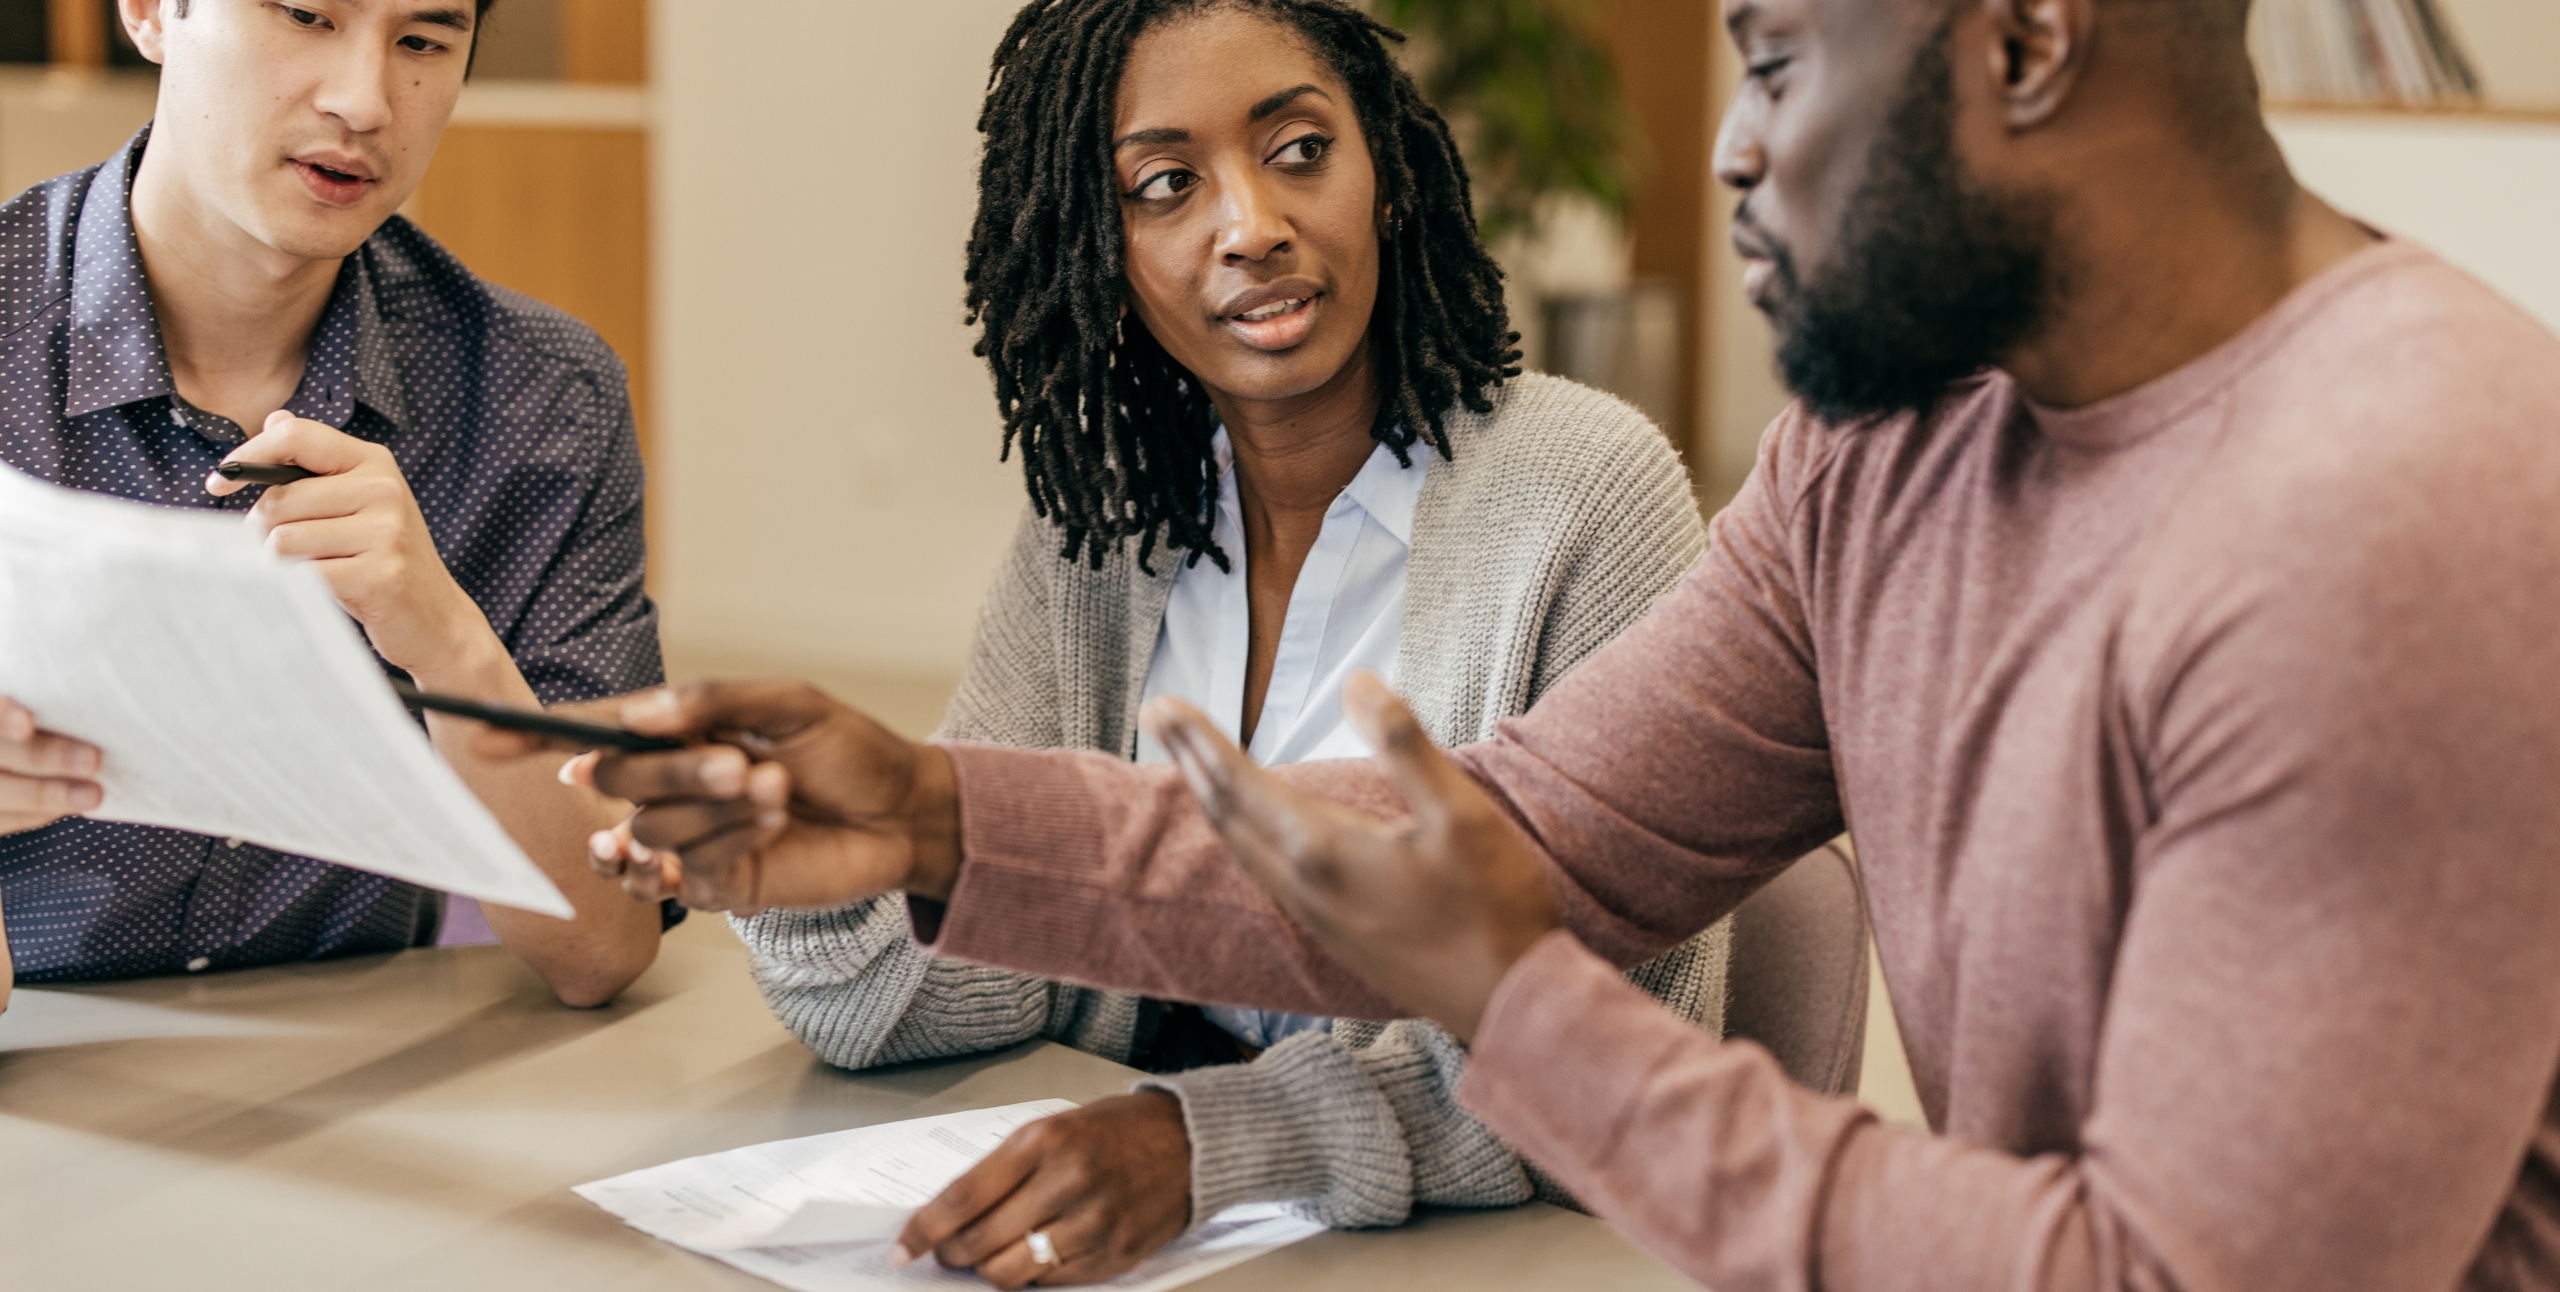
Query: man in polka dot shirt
x=477 y=504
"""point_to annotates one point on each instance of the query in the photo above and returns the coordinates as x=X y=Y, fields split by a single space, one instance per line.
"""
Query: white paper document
x=231 y=695
x=818 y=1214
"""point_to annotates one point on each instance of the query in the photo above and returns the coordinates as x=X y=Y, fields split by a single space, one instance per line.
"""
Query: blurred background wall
x=830 y=496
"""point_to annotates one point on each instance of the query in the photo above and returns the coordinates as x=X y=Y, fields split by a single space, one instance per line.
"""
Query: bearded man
x=2155 y=571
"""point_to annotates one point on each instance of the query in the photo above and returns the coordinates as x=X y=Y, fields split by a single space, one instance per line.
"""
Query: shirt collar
x=351 y=359
x=115 y=351
x=1386 y=489
x=113 y=348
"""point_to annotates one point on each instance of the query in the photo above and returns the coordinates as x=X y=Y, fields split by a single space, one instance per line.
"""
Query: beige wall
x=53 y=123
x=2514 y=45
x=2483 y=193
x=829 y=494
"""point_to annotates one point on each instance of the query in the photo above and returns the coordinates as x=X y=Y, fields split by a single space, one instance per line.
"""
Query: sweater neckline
x=2124 y=419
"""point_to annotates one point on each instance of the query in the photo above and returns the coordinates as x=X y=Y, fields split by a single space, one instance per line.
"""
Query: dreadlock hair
x=1115 y=435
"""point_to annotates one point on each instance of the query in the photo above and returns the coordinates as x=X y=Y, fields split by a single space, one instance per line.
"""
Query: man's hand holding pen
x=794 y=800
x=356 y=521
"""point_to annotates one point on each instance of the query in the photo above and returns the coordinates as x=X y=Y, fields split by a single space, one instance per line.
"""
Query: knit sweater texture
x=1554 y=524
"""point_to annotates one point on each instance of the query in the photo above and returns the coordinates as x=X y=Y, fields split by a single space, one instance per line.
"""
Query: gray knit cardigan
x=1553 y=526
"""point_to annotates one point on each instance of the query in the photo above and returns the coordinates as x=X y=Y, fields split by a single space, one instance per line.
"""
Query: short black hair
x=1115 y=435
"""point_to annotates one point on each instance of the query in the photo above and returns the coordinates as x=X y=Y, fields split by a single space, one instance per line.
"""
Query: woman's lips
x=332 y=187
x=1277 y=326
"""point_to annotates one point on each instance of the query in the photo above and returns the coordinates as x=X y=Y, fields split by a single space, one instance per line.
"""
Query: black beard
x=1937 y=276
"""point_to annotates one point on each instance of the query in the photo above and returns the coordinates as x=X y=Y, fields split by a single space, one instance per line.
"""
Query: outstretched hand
x=784 y=798
x=1432 y=911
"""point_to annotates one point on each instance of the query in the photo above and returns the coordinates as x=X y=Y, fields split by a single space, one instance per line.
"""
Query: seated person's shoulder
x=2417 y=389
x=2397 y=454
x=422 y=288
x=37 y=231
x=1553 y=436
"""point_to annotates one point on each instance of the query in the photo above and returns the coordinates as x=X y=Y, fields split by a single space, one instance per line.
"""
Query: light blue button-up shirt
x=1346 y=613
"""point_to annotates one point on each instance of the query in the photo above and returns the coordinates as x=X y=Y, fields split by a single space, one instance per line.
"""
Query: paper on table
x=231 y=695
x=818 y=1214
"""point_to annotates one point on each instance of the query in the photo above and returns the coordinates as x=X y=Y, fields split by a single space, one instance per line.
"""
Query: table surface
x=415 y=1121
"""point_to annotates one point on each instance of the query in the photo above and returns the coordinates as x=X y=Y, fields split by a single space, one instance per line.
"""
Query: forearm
x=859 y=992
x=1086 y=867
x=1356 y=1127
x=1350 y=1135
x=613 y=939
x=2235 y=1144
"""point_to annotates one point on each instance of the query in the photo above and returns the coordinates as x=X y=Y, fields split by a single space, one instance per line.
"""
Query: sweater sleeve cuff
x=1559 y=1000
x=1032 y=849
x=1302 y=1124
x=794 y=948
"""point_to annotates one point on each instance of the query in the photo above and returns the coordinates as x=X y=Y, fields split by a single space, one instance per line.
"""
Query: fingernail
x=724 y=774
x=580 y=770
x=17 y=724
x=86 y=798
x=83 y=761
x=643 y=853
x=653 y=706
x=899 y=1255
x=212 y=481
x=602 y=846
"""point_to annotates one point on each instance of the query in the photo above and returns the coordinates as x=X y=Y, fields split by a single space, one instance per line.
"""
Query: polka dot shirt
x=512 y=422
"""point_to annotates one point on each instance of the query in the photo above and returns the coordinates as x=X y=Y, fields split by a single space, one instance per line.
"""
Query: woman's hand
x=1108 y=1183
x=785 y=798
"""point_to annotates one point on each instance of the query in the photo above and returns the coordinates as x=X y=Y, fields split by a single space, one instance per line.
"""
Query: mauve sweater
x=2202 y=748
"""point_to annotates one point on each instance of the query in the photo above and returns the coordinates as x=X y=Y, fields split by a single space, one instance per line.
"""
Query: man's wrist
x=933 y=823
x=476 y=667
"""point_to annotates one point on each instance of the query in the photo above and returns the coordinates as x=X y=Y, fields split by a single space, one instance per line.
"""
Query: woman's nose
x=1254 y=227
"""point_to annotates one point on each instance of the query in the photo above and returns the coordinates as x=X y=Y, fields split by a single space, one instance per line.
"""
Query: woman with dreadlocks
x=1259 y=371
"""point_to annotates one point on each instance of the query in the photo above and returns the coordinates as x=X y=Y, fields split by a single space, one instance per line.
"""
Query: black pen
x=535 y=722
x=265 y=473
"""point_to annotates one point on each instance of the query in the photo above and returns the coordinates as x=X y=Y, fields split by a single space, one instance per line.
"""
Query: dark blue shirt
x=512 y=422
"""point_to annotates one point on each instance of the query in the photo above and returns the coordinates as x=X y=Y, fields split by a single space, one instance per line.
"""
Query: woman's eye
x=303 y=17
x=419 y=45
x=1766 y=73
x=1163 y=184
x=1303 y=150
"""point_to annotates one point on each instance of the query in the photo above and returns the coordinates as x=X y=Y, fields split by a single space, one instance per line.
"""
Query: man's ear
x=2039 y=50
x=145 y=21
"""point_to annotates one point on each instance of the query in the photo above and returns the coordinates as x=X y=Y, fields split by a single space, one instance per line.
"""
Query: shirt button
x=199 y=964
x=232 y=842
